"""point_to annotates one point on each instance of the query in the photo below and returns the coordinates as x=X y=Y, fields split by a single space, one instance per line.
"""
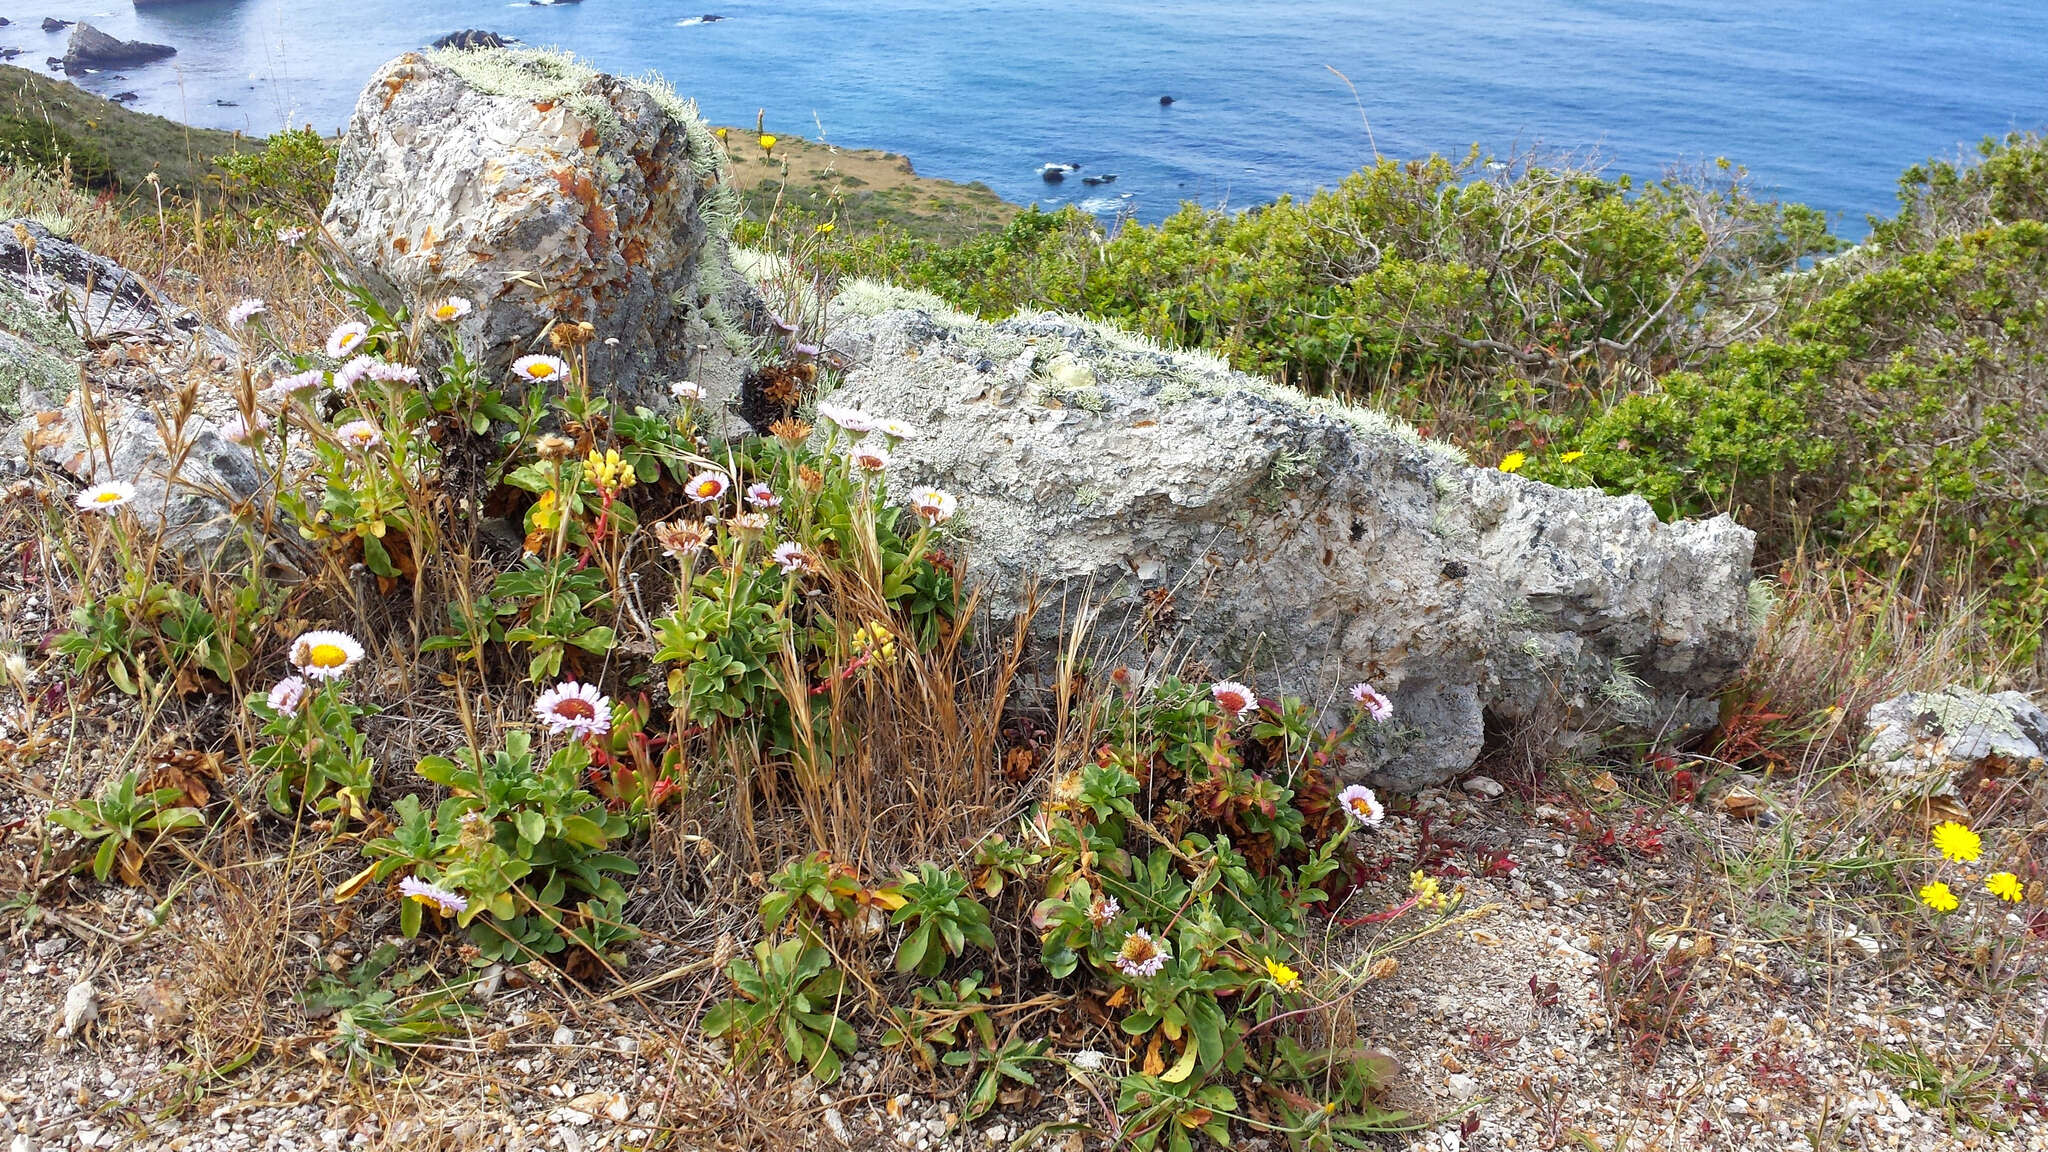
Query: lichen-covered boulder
x=546 y=192
x=1230 y=527
x=1922 y=737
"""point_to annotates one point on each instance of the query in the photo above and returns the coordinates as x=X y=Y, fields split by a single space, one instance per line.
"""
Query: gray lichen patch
x=39 y=352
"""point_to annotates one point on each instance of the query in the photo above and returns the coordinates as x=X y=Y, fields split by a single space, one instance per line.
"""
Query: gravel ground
x=1498 y=1021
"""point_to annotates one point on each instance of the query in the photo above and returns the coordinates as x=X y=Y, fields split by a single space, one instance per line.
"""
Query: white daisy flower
x=687 y=391
x=792 y=557
x=282 y=388
x=344 y=341
x=351 y=374
x=540 y=369
x=869 y=458
x=851 y=419
x=325 y=655
x=896 y=429
x=242 y=429
x=575 y=708
x=360 y=435
x=1361 y=806
x=450 y=310
x=288 y=694
x=443 y=900
x=761 y=495
x=934 y=504
x=707 y=486
x=242 y=313
x=1234 y=698
x=105 y=497
x=394 y=373
x=1375 y=704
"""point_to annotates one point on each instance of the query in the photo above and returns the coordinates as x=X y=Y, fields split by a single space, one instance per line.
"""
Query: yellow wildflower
x=767 y=143
x=875 y=641
x=1938 y=897
x=1956 y=842
x=826 y=228
x=1513 y=461
x=1571 y=456
x=2005 y=886
x=1282 y=974
x=608 y=472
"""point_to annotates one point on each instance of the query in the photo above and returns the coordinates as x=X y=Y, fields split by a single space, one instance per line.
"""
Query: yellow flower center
x=327 y=656
x=445 y=312
x=541 y=371
x=107 y=498
x=1359 y=806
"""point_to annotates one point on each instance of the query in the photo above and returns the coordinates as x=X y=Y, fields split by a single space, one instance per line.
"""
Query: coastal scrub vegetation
x=1879 y=407
x=731 y=696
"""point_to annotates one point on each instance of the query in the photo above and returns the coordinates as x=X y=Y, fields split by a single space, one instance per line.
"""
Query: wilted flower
x=707 y=486
x=442 y=900
x=687 y=391
x=1103 y=911
x=850 y=419
x=540 y=369
x=242 y=313
x=1956 y=842
x=790 y=431
x=325 y=655
x=105 y=497
x=573 y=707
x=792 y=557
x=869 y=458
x=749 y=523
x=1141 y=955
x=450 y=310
x=1234 y=698
x=242 y=429
x=290 y=237
x=934 y=504
x=1369 y=698
x=681 y=539
x=360 y=435
x=762 y=495
x=1361 y=806
x=288 y=694
x=346 y=339
x=553 y=447
x=1938 y=897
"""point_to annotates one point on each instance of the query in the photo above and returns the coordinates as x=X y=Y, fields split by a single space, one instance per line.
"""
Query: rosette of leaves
x=787 y=1001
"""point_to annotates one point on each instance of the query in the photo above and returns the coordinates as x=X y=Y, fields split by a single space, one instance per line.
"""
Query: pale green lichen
x=1762 y=603
x=39 y=352
x=864 y=297
x=1624 y=691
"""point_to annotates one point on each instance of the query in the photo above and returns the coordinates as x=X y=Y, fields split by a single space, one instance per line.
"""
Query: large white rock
x=1230 y=527
x=544 y=191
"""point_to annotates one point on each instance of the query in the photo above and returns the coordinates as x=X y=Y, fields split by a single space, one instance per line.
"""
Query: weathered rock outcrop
x=92 y=48
x=546 y=192
x=1922 y=737
x=56 y=301
x=1233 y=527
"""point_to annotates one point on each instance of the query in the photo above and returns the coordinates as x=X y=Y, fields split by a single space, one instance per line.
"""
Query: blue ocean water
x=1825 y=101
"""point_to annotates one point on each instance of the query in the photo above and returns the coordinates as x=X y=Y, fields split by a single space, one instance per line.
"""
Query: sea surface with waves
x=1825 y=101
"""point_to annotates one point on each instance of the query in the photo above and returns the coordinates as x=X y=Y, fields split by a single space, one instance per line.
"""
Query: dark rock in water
x=9 y=53
x=92 y=48
x=225 y=104
x=1165 y=100
x=125 y=97
x=1105 y=178
x=52 y=24
x=4 y=21
x=473 y=38
x=54 y=63
x=709 y=19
